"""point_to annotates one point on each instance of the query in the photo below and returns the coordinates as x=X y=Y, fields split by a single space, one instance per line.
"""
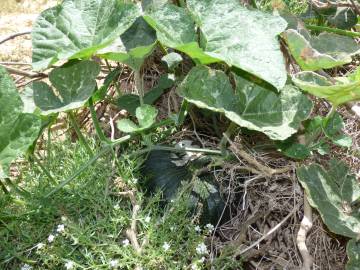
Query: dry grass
x=18 y=16
x=24 y=6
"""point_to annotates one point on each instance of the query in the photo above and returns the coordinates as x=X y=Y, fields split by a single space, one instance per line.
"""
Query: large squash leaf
x=133 y=46
x=324 y=51
x=176 y=29
x=333 y=193
x=353 y=253
x=243 y=38
x=252 y=106
x=18 y=130
x=79 y=28
x=337 y=91
x=74 y=82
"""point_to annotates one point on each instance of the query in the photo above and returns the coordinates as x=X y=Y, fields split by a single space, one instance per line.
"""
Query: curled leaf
x=252 y=106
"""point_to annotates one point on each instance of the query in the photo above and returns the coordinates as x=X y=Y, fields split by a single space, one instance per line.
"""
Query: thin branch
x=252 y=161
x=271 y=231
x=131 y=232
x=321 y=5
x=12 y=36
x=24 y=73
x=305 y=226
x=355 y=6
x=15 y=63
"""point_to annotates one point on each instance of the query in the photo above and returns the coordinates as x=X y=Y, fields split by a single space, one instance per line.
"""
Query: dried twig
x=355 y=6
x=270 y=232
x=12 y=36
x=305 y=226
x=131 y=232
x=24 y=73
x=329 y=4
x=252 y=161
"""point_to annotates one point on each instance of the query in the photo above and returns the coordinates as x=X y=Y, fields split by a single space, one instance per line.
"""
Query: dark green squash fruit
x=167 y=171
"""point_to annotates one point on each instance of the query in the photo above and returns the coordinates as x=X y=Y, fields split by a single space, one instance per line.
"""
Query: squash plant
x=238 y=70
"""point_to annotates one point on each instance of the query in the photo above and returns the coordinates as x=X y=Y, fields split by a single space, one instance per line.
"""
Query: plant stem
x=182 y=3
x=139 y=85
x=333 y=30
x=79 y=134
x=48 y=148
x=173 y=149
x=182 y=112
x=3 y=187
x=43 y=168
x=95 y=120
x=102 y=152
x=229 y=132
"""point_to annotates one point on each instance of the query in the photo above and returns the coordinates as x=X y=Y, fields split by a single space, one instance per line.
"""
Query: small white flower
x=210 y=227
x=26 y=267
x=202 y=260
x=166 y=246
x=51 y=238
x=197 y=228
x=40 y=246
x=69 y=265
x=126 y=242
x=63 y=218
x=117 y=206
x=147 y=219
x=60 y=228
x=114 y=263
x=201 y=249
x=194 y=267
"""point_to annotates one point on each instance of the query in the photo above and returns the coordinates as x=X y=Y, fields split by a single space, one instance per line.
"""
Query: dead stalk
x=305 y=226
x=268 y=172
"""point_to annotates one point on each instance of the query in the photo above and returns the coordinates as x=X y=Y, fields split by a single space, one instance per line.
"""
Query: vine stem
x=173 y=149
x=96 y=122
x=228 y=133
x=139 y=85
x=333 y=30
x=3 y=187
x=102 y=152
x=43 y=168
x=79 y=134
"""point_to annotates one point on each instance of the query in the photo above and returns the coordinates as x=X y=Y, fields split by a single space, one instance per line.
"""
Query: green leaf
x=172 y=60
x=225 y=34
x=325 y=51
x=133 y=46
x=337 y=92
x=176 y=29
x=78 y=29
x=353 y=253
x=100 y=94
x=146 y=116
x=253 y=106
x=131 y=102
x=127 y=126
x=332 y=128
x=18 y=130
x=332 y=193
x=292 y=149
x=74 y=82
